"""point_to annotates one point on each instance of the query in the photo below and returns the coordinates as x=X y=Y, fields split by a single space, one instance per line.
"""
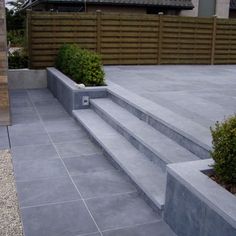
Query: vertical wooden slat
x=213 y=40
x=29 y=37
x=160 y=37
x=98 y=49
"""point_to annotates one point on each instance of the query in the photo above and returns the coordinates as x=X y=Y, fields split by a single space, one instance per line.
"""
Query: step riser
x=185 y=142
x=131 y=138
x=157 y=208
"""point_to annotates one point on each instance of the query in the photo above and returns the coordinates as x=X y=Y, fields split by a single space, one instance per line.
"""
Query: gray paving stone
x=21 y=129
x=25 y=118
x=102 y=183
x=83 y=147
x=3 y=131
x=121 y=211
x=159 y=228
x=4 y=142
x=33 y=170
x=88 y=164
x=29 y=139
x=34 y=152
x=20 y=103
x=46 y=191
x=67 y=219
x=57 y=116
x=61 y=125
x=68 y=136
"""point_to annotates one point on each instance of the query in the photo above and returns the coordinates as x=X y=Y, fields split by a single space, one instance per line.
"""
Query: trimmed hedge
x=224 y=150
x=80 y=65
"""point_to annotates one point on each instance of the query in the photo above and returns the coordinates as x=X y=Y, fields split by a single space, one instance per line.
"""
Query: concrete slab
x=203 y=93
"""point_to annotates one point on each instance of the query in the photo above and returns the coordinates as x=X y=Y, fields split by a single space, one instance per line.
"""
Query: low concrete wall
x=65 y=90
x=27 y=79
x=195 y=204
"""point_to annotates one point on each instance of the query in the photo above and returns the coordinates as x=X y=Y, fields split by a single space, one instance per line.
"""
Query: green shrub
x=80 y=65
x=17 y=60
x=224 y=150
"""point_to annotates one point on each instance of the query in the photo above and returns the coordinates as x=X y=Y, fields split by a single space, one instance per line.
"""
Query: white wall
x=222 y=9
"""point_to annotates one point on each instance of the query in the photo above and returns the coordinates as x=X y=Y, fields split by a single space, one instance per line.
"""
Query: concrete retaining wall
x=65 y=90
x=27 y=79
x=196 y=205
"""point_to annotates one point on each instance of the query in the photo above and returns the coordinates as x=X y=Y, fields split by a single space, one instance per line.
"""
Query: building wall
x=222 y=9
x=193 y=12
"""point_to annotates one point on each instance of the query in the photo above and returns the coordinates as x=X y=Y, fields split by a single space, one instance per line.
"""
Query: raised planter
x=66 y=91
x=196 y=205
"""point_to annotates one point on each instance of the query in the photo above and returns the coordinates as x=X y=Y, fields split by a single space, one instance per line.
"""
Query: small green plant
x=17 y=60
x=80 y=65
x=224 y=150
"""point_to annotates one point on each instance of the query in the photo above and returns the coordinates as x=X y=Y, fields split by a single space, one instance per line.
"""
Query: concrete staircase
x=141 y=138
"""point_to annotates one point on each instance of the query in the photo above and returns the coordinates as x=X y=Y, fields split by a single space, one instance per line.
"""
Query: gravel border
x=10 y=223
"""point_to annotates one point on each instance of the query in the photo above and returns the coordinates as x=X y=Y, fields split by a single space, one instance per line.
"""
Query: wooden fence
x=132 y=39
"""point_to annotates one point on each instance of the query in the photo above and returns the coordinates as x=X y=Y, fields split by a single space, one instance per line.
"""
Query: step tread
x=164 y=147
x=149 y=177
x=183 y=125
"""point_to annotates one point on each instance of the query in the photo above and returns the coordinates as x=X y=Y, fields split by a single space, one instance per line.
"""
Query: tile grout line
x=132 y=226
x=85 y=204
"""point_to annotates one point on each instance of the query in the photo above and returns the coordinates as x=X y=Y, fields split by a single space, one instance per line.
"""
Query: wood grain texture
x=133 y=39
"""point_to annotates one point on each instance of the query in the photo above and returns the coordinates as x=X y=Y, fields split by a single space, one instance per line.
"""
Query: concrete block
x=27 y=79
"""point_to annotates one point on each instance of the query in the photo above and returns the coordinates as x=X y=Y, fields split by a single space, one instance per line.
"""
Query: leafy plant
x=17 y=60
x=224 y=150
x=80 y=65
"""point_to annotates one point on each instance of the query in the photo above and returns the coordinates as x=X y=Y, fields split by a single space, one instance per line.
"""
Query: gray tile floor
x=65 y=185
x=205 y=94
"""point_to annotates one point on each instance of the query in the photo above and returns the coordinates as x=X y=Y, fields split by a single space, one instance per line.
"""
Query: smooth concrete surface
x=196 y=205
x=27 y=79
x=204 y=94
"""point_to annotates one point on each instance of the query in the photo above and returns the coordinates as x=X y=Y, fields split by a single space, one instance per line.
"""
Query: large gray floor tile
x=4 y=142
x=25 y=118
x=121 y=211
x=3 y=131
x=45 y=191
x=32 y=170
x=34 y=152
x=57 y=116
x=29 y=139
x=83 y=147
x=61 y=125
x=68 y=136
x=88 y=164
x=67 y=219
x=153 y=229
x=22 y=129
x=102 y=183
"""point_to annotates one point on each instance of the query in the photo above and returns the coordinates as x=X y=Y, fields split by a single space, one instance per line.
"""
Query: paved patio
x=204 y=94
x=65 y=185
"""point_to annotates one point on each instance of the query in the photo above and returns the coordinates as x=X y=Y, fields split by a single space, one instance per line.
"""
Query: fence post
x=29 y=36
x=99 y=13
x=213 y=39
x=160 y=37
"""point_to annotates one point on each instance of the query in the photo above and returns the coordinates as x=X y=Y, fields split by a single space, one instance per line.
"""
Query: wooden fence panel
x=132 y=39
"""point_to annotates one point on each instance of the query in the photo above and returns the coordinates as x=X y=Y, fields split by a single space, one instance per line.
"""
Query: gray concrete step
x=184 y=131
x=149 y=178
x=155 y=145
